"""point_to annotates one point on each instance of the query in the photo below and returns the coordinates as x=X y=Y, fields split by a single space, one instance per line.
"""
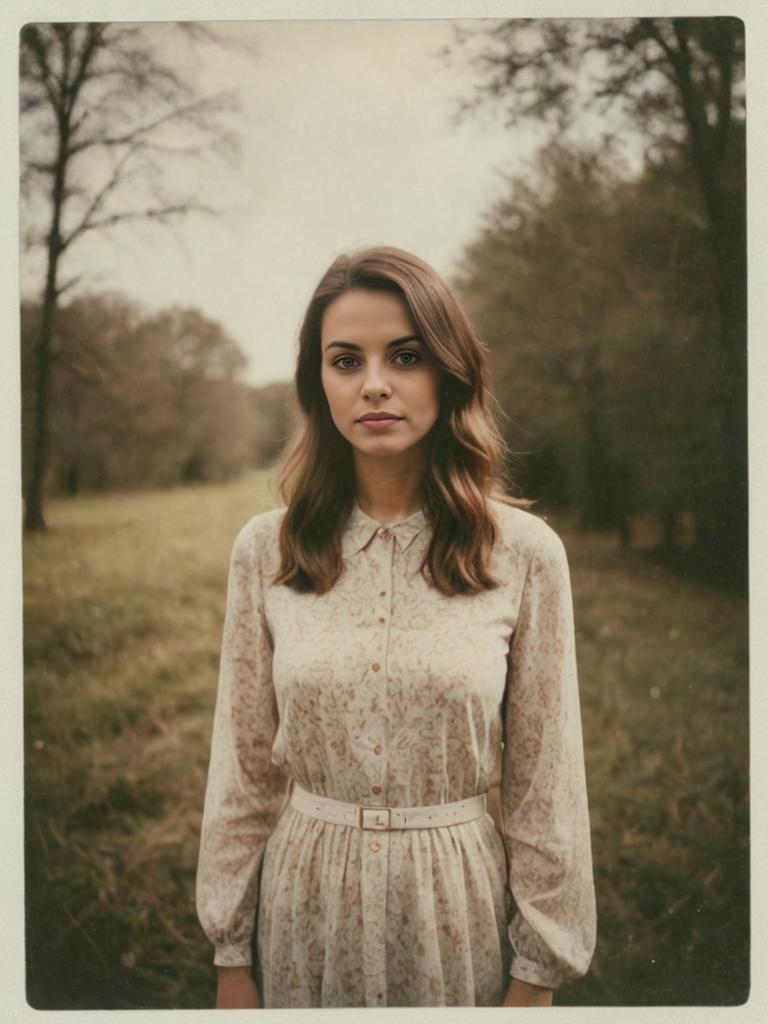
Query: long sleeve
x=544 y=811
x=245 y=791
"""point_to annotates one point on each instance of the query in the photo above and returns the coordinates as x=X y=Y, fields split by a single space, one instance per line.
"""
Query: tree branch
x=98 y=201
x=93 y=40
x=190 y=111
x=68 y=284
x=32 y=39
x=160 y=213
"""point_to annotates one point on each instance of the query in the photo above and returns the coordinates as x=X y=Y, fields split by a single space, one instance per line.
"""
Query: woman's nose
x=375 y=385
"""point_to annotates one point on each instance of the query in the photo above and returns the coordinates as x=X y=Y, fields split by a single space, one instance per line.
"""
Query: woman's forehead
x=360 y=316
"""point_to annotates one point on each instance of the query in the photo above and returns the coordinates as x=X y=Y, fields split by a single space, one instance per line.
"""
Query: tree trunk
x=34 y=518
x=599 y=507
x=598 y=512
x=717 y=163
x=728 y=233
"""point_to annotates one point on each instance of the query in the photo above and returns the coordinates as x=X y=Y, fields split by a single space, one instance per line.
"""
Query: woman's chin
x=381 y=448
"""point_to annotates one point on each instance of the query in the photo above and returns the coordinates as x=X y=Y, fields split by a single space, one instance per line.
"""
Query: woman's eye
x=346 y=362
x=410 y=357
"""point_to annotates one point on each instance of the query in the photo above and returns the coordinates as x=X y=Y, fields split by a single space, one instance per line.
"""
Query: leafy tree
x=592 y=292
x=544 y=285
x=140 y=400
x=666 y=368
x=276 y=412
x=200 y=365
x=106 y=126
x=678 y=80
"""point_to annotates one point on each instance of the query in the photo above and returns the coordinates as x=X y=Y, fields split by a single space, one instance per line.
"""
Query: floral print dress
x=384 y=691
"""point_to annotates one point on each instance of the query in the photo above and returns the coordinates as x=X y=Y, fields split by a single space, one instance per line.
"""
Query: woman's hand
x=523 y=993
x=236 y=989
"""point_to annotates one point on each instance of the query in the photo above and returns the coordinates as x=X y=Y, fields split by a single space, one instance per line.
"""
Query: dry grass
x=664 y=682
x=124 y=603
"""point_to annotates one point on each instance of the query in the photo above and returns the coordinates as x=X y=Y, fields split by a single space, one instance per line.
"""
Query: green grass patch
x=124 y=601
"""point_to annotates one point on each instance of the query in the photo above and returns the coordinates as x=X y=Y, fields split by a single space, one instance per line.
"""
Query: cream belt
x=382 y=818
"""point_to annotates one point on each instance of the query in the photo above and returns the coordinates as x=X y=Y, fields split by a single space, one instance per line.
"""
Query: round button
x=382 y=619
x=382 y=593
x=374 y=846
x=383 y=532
x=376 y=789
x=380 y=995
x=377 y=749
x=375 y=666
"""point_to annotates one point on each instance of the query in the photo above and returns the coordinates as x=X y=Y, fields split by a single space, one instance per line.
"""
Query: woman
x=397 y=639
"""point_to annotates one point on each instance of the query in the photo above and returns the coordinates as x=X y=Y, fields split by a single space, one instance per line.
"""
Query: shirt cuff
x=233 y=955
x=534 y=974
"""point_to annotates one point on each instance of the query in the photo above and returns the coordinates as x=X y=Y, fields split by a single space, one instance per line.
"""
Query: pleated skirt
x=414 y=917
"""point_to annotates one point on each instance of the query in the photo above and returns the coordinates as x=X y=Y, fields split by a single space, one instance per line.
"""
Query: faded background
x=582 y=185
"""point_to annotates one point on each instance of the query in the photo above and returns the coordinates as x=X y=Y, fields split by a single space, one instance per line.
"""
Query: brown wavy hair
x=465 y=459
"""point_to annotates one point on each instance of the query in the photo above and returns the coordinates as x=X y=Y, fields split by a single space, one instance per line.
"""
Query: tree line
x=139 y=400
x=615 y=303
x=594 y=294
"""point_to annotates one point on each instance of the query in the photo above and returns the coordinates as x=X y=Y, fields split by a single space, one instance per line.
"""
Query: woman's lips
x=380 y=424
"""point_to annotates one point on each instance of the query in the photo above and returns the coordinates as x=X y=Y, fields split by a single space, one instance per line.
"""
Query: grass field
x=124 y=601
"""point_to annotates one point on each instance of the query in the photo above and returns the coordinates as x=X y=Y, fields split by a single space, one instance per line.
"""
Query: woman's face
x=381 y=381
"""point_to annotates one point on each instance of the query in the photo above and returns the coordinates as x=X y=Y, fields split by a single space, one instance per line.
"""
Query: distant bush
x=143 y=400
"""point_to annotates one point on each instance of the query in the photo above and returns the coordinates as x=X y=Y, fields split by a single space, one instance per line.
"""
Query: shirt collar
x=361 y=529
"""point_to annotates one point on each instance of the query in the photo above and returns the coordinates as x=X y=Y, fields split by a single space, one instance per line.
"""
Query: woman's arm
x=245 y=791
x=544 y=812
x=521 y=993
x=236 y=989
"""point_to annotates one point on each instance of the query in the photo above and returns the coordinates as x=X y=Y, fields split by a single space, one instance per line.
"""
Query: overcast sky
x=346 y=140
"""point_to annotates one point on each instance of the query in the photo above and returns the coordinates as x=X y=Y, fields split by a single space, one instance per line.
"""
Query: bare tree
x=109 y=132
x=680 y=80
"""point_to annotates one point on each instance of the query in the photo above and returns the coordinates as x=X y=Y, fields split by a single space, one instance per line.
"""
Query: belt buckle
x=376 y=818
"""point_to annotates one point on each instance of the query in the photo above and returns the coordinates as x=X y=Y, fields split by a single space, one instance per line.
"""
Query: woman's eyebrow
x=390 y=344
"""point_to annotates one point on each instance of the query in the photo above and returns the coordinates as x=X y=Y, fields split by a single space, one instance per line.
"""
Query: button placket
x=375 y=857
x=375 y=849
x=384 y=618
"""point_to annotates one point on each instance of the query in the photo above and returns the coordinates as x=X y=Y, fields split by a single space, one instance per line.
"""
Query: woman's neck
x=390 y=489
